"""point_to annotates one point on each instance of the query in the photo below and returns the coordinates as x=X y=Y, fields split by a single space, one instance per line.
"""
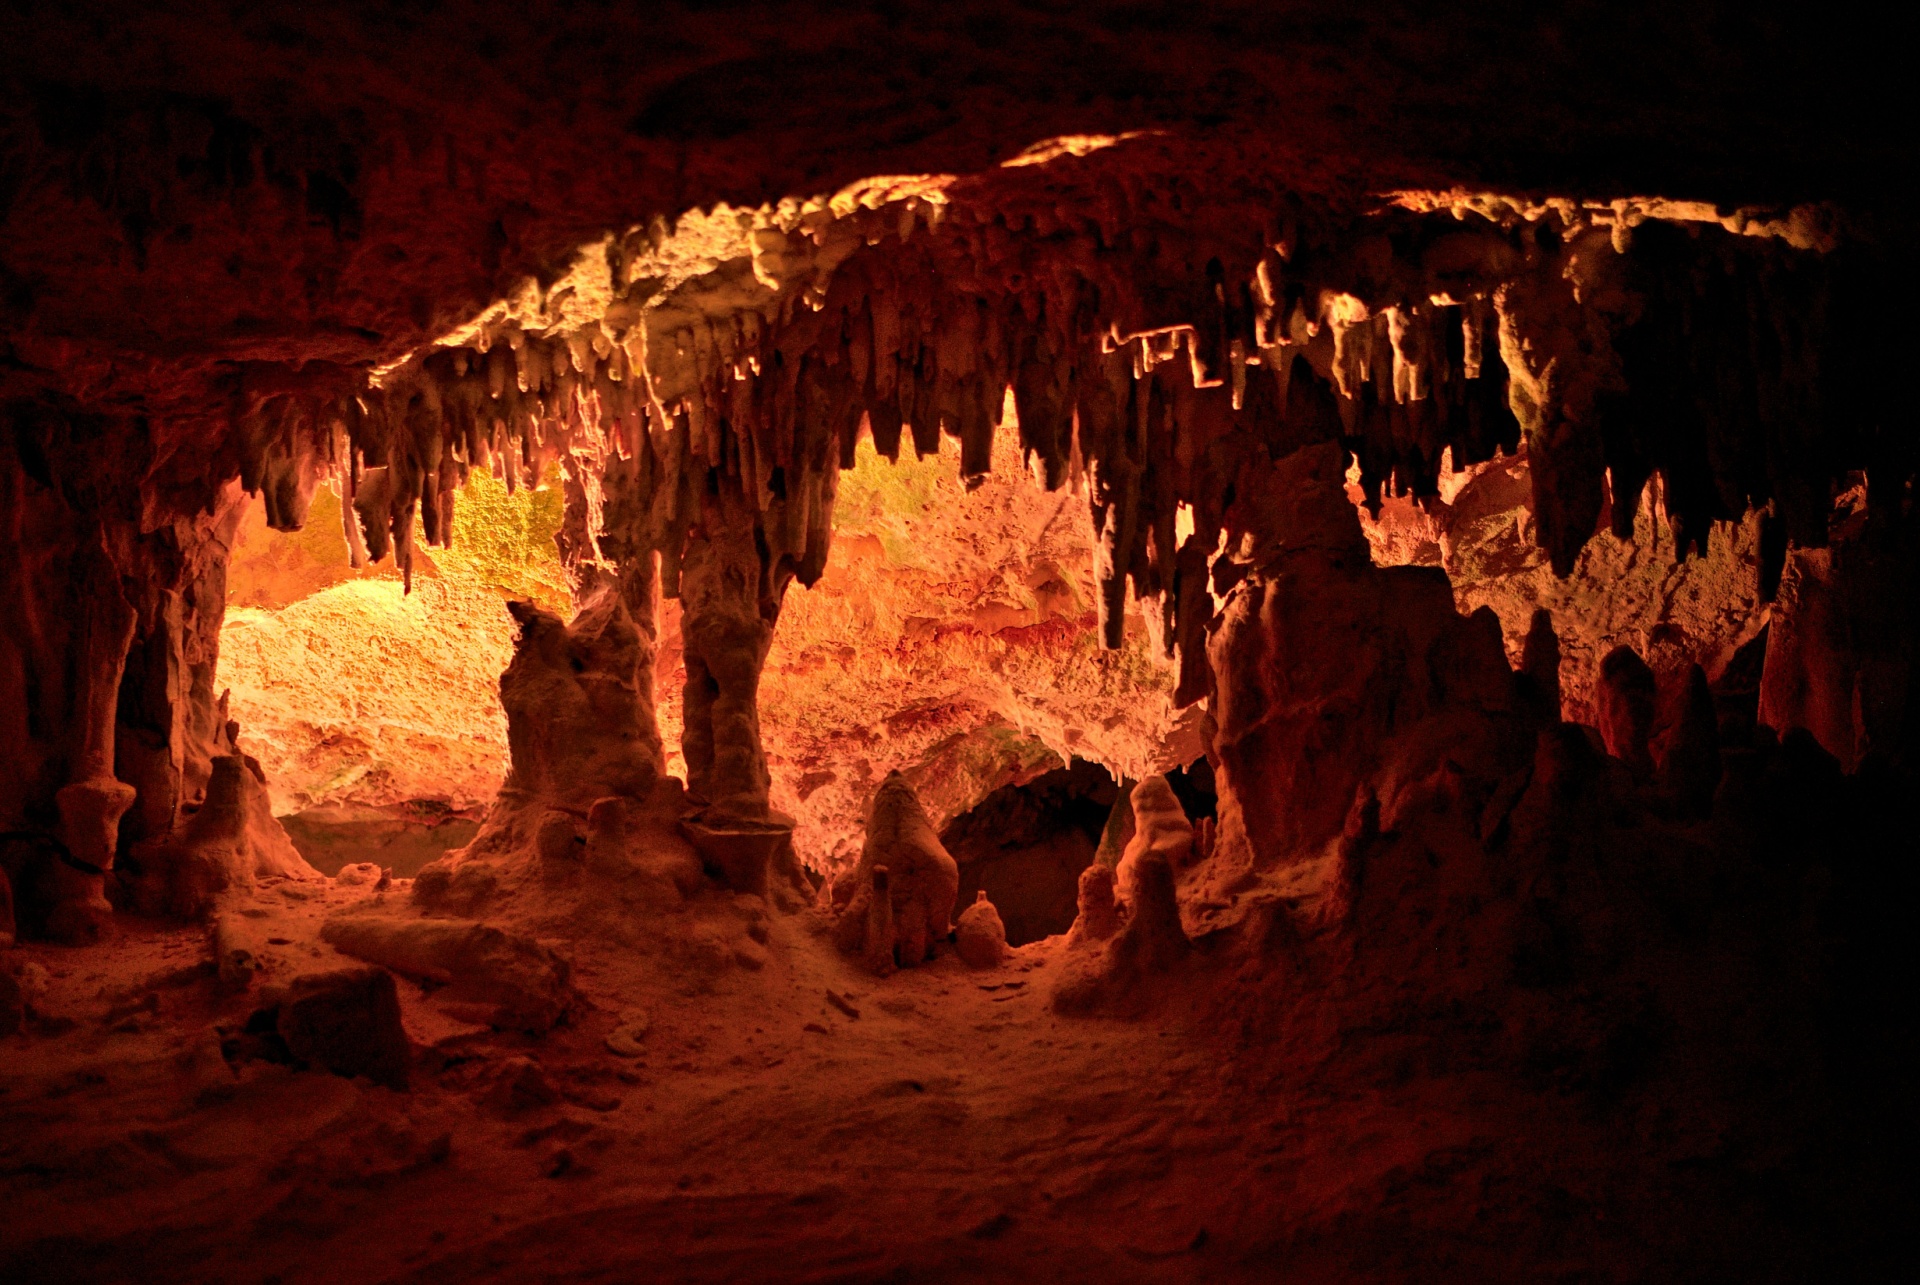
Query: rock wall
x=1640 y=591
x=118 y=743
x=1337 y=680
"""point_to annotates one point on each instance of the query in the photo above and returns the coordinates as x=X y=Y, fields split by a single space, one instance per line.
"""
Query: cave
x=828 y=643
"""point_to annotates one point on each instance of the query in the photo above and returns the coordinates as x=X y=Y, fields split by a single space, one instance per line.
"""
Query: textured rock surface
x=1122 y=970
x=347 y=1021
x=1449 y=990
x=1332 y=673
x=498 y=977
x=897 y=902
x=980 y=939
x=579 y=703
x=952 y=637
x=356 y=693
x=1634 y=592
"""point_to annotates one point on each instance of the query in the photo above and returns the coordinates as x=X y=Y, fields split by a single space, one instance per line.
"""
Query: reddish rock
x=1626 y=698
x=1685 y=745
x=347 y=1021
x=898 y=901
x=980 y=939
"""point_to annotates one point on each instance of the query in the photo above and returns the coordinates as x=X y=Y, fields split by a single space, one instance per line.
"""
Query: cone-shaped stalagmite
x=1626 y=696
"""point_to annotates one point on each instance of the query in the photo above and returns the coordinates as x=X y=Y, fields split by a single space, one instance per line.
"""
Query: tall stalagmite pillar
x=729 y=601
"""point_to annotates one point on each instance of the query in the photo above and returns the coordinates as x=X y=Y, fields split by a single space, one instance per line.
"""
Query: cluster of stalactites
x=1156 y=373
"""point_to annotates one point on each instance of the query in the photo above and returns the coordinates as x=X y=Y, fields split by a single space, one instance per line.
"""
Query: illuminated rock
x=897 y=903
x=980 y=939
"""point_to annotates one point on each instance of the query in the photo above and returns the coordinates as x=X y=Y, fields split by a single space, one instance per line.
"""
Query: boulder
x=346 y=1020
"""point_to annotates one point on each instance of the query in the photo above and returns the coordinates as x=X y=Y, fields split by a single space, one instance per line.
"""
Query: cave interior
x=809 y=643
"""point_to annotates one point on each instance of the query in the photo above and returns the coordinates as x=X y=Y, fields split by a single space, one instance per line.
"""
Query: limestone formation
x=1117 y=974
x=579 y=724
x=1446 y=991
x=653 y=873
x=227 y=842
x=489 y=975
x=1098 y=914
x=980 y=939
x=1628 y=694
x=1540 y=662
x=897 y=903
x=1685 y=745
x=1332 y=673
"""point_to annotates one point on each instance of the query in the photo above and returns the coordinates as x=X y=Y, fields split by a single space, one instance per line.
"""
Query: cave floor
x=955 y=1129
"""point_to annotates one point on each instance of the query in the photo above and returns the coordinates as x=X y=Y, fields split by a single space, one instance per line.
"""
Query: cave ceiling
x=187 y=189
x=418 y=241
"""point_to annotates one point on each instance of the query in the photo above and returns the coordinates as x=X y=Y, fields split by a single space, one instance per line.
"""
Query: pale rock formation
x=980 y=939
x=1117 y=974
x=231 y=839
x=729 y=601
x=488 y=975
x=1098 y=916
x=898 y=901
x=1330 y=673
x=657 y=875
x=579 y=723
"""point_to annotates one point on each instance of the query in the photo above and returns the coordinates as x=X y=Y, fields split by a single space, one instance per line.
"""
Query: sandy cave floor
x=955 y=1129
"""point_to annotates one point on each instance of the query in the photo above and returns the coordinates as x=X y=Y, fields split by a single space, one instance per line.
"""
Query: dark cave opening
x=1027 y=844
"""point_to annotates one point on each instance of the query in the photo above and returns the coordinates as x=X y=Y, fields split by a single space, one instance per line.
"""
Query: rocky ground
x=726 y=1097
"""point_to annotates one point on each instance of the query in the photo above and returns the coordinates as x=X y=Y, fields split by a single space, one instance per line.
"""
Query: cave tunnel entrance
x=1026 y=844
x=953 y=636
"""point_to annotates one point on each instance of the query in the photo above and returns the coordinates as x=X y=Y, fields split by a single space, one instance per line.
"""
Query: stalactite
x=1144 y=354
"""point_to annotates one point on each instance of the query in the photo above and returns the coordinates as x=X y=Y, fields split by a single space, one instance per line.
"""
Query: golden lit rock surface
x=952 y=638
x=351 y=690
x=1674 y=611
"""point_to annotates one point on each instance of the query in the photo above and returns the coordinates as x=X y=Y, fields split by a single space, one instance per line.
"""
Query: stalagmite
x=91 y=804
x=898 y=901
x=579 y=725
x=1627 y=695
x=1380 y=963
x=1098 y=914
x=1118 y=974
x=1685 y=744
x=980 y=938
x=1540 y=662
